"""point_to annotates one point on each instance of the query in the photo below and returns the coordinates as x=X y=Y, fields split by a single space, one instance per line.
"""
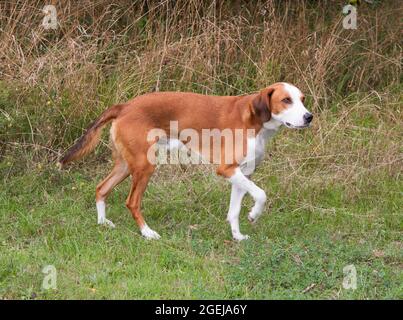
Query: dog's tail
x=86 y=143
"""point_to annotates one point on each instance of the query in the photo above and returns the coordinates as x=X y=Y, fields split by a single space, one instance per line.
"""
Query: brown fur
x=86 y=143
x=132 y=122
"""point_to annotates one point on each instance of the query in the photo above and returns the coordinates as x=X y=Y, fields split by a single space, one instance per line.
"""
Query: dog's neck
x=272 y=124
x=268 y=130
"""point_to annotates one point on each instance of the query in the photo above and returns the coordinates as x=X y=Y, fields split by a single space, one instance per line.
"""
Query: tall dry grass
x=54 y=82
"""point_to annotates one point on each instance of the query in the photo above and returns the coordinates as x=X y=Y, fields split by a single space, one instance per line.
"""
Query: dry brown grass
x=54 y=82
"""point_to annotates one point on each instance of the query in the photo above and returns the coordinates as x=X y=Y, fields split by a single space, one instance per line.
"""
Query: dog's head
x=284 y=103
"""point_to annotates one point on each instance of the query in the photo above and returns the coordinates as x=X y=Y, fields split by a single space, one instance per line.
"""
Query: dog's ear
x=261 y=105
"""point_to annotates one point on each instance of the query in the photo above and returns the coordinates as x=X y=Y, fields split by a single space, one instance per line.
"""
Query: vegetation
x=335 y=190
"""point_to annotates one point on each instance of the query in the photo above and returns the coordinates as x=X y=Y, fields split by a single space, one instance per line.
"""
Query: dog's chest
x=259 y=144
x=256 y=149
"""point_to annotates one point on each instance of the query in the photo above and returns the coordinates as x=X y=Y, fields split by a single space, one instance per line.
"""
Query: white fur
x=237 y=195
x=242 y=185
x=148 y=233
x=256 y=147
x=293 y=116
x=174 y=144
x=101 y=215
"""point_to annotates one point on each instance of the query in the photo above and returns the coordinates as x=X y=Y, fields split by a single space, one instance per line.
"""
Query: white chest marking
x=255 y=150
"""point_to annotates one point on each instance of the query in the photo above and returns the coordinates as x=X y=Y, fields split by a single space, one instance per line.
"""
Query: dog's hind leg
x=140 y=176
x=119 y=172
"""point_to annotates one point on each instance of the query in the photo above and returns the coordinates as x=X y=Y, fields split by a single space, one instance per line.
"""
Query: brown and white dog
x=258 y=116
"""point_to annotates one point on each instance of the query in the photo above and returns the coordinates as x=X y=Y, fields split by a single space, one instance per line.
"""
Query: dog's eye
x=302 y=99
x=287 y=100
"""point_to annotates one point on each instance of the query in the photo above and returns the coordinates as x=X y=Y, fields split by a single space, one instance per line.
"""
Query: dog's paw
x=240 y=237
x=252 y=219
x=149 y=233
x=106 y=222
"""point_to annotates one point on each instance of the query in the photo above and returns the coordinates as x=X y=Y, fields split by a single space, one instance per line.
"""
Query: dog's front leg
x=237 y=195
x=239 y=180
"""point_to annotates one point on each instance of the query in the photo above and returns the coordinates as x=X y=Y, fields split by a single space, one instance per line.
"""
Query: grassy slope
x=325 y=212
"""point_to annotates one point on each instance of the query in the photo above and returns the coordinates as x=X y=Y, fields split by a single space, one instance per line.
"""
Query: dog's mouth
x=291 y=126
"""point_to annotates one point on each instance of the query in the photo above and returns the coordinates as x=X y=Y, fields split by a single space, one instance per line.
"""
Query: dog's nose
x=308 y=117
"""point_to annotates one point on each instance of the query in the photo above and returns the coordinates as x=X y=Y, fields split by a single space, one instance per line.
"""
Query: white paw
x=106 y=222
x=251 y=218
x=149 y=233
x=109 y=223
x=240 y=236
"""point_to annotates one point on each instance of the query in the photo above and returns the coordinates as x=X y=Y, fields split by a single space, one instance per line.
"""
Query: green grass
x=330 y=205
x=335 y=191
